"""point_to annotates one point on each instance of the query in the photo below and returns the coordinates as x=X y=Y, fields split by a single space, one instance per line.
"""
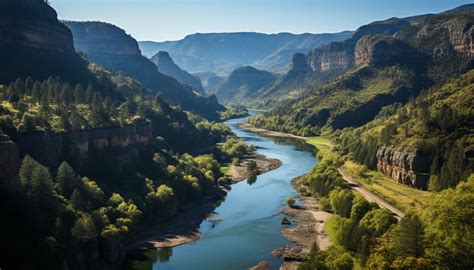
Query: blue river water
x=249 y=217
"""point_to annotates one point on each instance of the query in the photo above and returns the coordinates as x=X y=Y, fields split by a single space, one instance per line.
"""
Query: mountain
x=210 y=80
x=242 y=83
x=110 y=46
x=224 y=52
x=32 y=36
x=384 y=62
x=166 y=66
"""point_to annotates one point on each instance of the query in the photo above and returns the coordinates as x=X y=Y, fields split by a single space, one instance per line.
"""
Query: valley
x=331 y=150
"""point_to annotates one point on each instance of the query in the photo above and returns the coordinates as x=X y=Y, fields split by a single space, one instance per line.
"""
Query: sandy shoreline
x=239 y=172
x=270 y=133
x=309 y=221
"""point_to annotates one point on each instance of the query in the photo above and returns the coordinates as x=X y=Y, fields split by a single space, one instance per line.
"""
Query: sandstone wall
x=406 y=167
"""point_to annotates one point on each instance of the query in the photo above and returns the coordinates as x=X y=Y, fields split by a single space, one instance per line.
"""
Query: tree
x=36 y=92
x=77 y=201
x=448 y=219
x=67 y=179
x=410 y=236
x=41 y=187
x=84 y=229
x=66 y=95
x=26 y=171
x=79 y=95
x=341 y=201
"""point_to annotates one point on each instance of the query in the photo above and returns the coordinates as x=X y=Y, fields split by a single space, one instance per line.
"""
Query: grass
x=319 y=142
x=399 y=195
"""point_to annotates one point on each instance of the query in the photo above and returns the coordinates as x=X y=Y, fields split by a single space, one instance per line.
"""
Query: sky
x=161 y=20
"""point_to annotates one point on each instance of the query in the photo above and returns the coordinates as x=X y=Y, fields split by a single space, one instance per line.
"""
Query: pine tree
x=41 y=187
x=26 y=171
x=66 y=94
x=410 y=237
x=84 y=229
x=79 y=95
x=77 y=200
x=67 y=179
x=89 y=94
x=36 y=92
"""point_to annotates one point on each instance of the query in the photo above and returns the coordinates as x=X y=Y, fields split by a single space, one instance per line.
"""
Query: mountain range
x=224 y=52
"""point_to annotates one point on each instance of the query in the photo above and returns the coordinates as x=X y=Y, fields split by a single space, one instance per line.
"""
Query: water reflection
x=252 y=180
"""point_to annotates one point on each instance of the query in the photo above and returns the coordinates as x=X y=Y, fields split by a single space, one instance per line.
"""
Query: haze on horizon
x=161 y=20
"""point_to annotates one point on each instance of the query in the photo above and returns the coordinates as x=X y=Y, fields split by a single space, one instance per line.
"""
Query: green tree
x=67 y=179
x=341 y=201
x=410 y=236
x=84 y=229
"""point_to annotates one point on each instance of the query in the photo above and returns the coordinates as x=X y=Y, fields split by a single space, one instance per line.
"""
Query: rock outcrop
x=380 y=50
x=9 y=164
x=406 y=167
x=52 y=148
x=167 y=66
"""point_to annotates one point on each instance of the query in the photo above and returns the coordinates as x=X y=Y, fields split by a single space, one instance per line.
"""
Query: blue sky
x=173 y=19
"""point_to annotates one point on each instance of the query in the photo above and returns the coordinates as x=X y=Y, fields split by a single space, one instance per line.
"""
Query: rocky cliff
x=52 y=148
x=381 y=50
x=111 y=47
x=167 y=66
x=405 y=167
x=9 y=164
x=34 y=43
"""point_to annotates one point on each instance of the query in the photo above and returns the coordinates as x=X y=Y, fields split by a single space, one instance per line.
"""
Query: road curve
x=371 y=197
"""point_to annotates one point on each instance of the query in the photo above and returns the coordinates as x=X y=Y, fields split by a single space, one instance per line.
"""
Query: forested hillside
x=110 y=46
x=89 y=156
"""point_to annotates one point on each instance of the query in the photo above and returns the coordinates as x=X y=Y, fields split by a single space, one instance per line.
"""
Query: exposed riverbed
x=245 y=228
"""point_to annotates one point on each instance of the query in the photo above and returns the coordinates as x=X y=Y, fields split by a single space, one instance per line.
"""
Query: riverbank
x=239 y=172
x=179 y=230
x=309 y=220
x=317 y=141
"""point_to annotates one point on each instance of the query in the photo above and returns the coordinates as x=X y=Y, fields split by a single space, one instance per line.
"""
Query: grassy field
x=319 y=142
x=400 y=196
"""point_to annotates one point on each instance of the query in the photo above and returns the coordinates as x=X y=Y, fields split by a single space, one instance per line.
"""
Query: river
x=248 y=226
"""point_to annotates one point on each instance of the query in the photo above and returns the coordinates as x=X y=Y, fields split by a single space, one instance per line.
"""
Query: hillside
x=383 y=63
x=167 y=66
x=210 y=81
x=242 y=83
x=224 y=52
x=110 y=46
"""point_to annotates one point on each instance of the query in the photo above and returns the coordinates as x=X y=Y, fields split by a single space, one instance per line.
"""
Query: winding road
x=398 y=214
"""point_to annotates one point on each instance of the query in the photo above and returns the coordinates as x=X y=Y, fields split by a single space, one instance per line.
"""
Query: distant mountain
x=112 y=47
x=166 y=66
x=210 y=81
x=242 y=83
x=224 y=52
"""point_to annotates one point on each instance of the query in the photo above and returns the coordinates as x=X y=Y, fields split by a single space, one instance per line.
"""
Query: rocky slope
x=167 y=66
x=110 y=46
x=224 y=52
x=243 y=83
x=33 y=42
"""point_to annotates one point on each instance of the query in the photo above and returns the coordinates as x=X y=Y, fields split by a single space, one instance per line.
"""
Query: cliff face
x=9 y=164
x=405 y=167
x=379 y=50
x=34 y=43
x=167 y=66
x=33 y=25
x=52 y=148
